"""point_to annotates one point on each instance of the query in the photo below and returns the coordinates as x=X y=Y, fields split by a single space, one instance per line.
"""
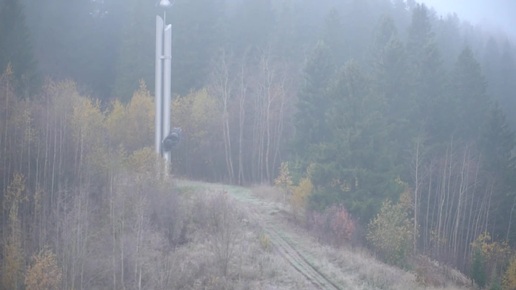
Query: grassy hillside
x=269 y=249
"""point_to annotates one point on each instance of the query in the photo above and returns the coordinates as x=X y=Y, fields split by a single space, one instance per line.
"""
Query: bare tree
x=242 y=97
x=222 y=88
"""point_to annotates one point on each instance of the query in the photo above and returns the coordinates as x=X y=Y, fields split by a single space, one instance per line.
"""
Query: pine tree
x=507 y=82
x=426 y=77
x=16 y=47
x=496 y=145
x=468 y=89
x=136 y=53
x=333 y=36
x=313 y=102
x=390 y=82
x=478 y=272
x=197 y=34
x=353 y=164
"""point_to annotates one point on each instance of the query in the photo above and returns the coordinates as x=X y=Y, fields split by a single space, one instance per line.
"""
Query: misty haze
x=257 y=144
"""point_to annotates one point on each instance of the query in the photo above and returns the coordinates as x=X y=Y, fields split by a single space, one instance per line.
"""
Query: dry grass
x=257 y=265
x=268 y=193
x=353 y=267
x=251 y=265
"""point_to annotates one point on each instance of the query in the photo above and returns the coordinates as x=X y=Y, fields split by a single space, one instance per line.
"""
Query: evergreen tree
x=78 y=40
x=294 y=32
x=390 y=81
x=507 y=85
x=478 y=272
x=333 y=35
x=420 y=30
x=448 y=37
x=313 y=102
x=496 y=145
x=137 y=49
x=468 y=89
x=252 y=26
x=197 y=34
x=358 y=23
x=426 y=77
x=16 y=48
x=354 y=166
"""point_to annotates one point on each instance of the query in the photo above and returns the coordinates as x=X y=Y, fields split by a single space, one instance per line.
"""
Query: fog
x=353 y=114
x=494 y=15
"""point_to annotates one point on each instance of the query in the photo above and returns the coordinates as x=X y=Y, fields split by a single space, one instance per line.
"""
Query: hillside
x=388 y=129
x=294 y=259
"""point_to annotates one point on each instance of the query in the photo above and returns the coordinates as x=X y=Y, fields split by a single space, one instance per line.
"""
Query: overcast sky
x=494 y=13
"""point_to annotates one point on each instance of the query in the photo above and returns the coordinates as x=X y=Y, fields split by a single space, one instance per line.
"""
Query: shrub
x=219 y=218
x=334 y=225
x=478 y=271
x=44 y=273
x=300 y=195
x=391 y=233
x=509 y=278
x=265 y=242
x=495 y=285
x=493 y=255
x=284 y=180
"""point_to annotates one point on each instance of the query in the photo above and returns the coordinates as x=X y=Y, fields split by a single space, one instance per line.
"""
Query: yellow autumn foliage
x=13 y=259
x=132 y=126
x=139 y=120
x=509 y=278
x=43 y=273
x=300 y=195
x=284 y=180
x=391 y=233
x=496 y=254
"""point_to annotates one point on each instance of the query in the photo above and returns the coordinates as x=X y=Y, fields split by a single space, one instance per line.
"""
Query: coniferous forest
x=387 y=108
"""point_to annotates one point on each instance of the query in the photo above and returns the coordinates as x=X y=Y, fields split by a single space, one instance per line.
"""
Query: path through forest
x=270 y=217
x=323 y=266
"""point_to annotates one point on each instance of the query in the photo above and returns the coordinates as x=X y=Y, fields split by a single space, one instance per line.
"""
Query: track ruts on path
x=296 y=259
x=289 y=251
x=257 y=211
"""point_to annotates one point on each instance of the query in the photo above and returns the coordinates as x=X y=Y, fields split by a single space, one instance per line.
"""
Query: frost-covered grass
x=255 y=265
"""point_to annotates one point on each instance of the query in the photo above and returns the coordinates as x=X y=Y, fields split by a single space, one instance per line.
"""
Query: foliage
x=469 y=90
x=199 y=117
x=391 y=233
x=496 y=285
x=265 y=242
x=143 y=161
x=16 y=48
x=300 y=195
x=219 y=218
x=284 y=180
x=313 y=101
x=509 y=277
x=131 y=126
x=490 y=258
x=334 y=225
x=138 y=124
x=13 y=252
x=44 y=272
x=135 y=58
x=411 y=76
x=12 y=268
x=353 y=165
x=478 y=270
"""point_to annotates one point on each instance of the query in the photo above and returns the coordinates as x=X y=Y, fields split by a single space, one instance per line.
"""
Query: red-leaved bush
x=334 y=225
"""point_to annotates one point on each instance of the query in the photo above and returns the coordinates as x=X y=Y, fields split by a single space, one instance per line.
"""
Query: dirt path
x=263 y=214
x=297 y=260
x=323 y=267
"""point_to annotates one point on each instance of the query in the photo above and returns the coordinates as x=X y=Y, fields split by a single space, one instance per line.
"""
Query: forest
x=385 y=107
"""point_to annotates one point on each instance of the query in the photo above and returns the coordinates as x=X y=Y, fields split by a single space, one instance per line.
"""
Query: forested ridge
x=384 y=109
